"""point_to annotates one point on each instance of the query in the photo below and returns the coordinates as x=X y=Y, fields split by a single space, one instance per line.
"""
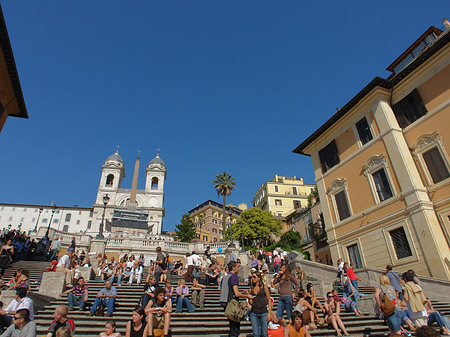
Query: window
x=66 y=228
x=279 y=213
x=89 y=225
x=68 y=217
x=24 y=209
x=14 y=209
x=91 y=213
x=78 y=222
x=433 y=158
x=10 y=218
x=329 y=156
x=220 y=231
x=55 y=220
x=382 y=185
x=435 y=165
x=354 y=256
x=297 y=204
x=154 y=183
x=214 y=230
x=400 y=243
x=110 y=180
x=365 y=135
x=294 y=190
x=342 y=205
x=33 y=220
x=45 y=220
x=21 y=219
x=79 y=212
x=278 y=202
x=57 y=211
x=276 y=188
x=409 y=109
x=205 y=238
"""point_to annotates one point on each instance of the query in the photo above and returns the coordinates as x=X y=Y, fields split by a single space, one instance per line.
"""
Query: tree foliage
x=255 y=226
x=313 y=195
x=224 y=185
x=186 y=230
x=290 y=239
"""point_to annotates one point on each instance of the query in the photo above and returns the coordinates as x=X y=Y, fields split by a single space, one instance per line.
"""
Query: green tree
x=256 y=224
x=313 y=195
x=224 y=185
x=291 y=239
x=186 y=230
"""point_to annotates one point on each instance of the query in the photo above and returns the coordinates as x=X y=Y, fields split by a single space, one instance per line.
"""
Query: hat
x=253 y=269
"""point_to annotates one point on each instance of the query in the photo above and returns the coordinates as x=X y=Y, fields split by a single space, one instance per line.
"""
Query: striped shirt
x=77 y=291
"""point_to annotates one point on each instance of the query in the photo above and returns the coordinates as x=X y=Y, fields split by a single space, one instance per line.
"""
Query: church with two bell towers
x=130 y=210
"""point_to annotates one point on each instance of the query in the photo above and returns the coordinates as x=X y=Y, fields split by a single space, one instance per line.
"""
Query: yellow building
x=382 y=165
x=12 y=103
x=282 y=195
x=208 y=219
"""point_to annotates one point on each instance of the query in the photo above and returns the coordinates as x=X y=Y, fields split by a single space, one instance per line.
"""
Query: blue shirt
x=105 y=291
x=395 y=281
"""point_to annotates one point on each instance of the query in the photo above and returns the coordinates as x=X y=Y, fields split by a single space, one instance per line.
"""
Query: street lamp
x=51 y=218
x=100 y=229
x=35 y=226
x=242 y=237
x=231 y=245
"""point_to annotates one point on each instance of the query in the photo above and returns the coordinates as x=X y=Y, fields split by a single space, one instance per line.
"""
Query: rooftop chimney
x=446 y=23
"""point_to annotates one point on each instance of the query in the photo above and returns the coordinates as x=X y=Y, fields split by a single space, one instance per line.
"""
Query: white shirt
x=190 y=261
x=130 y=263
x=65 y=260
x=25 y=303
x=196 y=260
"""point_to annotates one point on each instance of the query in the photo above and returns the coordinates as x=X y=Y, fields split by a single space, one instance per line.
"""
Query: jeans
x=196 y=272
x=53 y=254
x=181 y=301
x=435 y=317
x=355 y=287
x=276 y=268
x=74 y=301
x=145 y=299
x=210 y=279
x=395 y=321
x=106 y=301
x=259 y=324
x=284 y=303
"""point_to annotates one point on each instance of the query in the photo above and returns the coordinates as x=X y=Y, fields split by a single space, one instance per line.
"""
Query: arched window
x=154 y=183
x=110 y=180
x=68 y=216
x=66 y=228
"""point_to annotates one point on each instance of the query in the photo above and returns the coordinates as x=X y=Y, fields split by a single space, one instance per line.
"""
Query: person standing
x=258 y=313
x=159 y=263
x=285 y=280
x=196 y=259
x=22 y=325
x=395 y=281
x=189 y=276
x=230 y=290
x=64 y=265
x=55 y=247
x=354 y=280
x=233 y=257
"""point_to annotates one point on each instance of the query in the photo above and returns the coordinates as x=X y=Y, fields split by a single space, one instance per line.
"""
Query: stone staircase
x=207 y=322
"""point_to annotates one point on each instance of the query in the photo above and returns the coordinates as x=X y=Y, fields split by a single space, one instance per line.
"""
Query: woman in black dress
x=6 y=253
x=137 y=327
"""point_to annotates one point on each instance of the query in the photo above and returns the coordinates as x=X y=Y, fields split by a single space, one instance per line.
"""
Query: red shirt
x=351 y=274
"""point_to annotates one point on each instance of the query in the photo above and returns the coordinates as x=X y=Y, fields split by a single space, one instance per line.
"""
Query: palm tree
x=224 y=185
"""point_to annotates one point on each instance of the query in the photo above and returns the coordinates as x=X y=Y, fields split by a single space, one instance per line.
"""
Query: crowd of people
x=297 y=306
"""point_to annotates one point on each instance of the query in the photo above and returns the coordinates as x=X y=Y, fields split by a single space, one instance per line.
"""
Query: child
x=169 y=290
x=63 y=332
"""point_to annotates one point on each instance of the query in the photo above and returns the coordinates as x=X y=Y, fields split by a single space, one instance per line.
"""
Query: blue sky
x=216 y=85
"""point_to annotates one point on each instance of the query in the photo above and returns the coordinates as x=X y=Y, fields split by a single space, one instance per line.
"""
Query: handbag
x=235 y=311
x=387 y=308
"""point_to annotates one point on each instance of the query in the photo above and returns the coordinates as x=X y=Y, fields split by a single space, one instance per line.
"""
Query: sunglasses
x=14 y=317
x=331 y=296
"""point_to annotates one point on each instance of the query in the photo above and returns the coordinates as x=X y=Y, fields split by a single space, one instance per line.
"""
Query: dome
x=115 y=157
x=157 y=161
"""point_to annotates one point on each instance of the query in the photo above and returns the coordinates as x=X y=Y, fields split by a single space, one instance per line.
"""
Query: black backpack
x=164 y=263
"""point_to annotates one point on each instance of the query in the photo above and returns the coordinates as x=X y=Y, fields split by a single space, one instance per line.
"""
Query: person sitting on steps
x=158 y=312
x=106 y=297
x=183 y=297
x=77 y=295
x=198 y=294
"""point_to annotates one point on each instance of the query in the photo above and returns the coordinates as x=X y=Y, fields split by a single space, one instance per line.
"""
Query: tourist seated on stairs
x=136 y=273
x=296 y=328
x=123 y=275
x=22 y=325
x=78 y=295
x=107 y=297
x=64 y=332
x=110 y=330
x=21 y=279
x=177 y=268
x=61 y=320
x=137 y=326
x=21 y=301
x=311 y=297
x=198 y=294
x=212 y=275
x=108 y=273
x=158 y=312
x=169 y=291
x=348 y=305
x=149 y=290
x=183 y=297
x=332 y=315
x=426 y=331
x=309 y=314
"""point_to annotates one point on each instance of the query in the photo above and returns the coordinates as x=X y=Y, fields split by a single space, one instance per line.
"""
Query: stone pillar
x=98 y=246
x=52 y=284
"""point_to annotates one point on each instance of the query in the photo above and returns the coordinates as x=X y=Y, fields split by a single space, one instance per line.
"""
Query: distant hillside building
x=282 y=195
x=382 y=165
x=208 y=219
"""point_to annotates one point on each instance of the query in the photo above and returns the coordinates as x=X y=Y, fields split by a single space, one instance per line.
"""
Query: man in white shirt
x=196 y=259
x=189 y=277
x=64 y=266
x=20 y=302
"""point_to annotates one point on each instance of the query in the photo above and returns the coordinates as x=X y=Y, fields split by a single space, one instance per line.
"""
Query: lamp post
x=231 y=245
x=50 y=222
x=35 y=226
x=100 y=229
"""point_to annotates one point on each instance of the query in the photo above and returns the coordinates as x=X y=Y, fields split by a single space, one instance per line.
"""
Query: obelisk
x=132 y=202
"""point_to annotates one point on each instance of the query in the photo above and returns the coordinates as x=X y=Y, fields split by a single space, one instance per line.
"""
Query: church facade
x=128 y=209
